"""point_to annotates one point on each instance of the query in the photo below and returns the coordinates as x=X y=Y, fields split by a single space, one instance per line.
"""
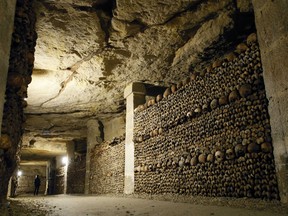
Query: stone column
x=7 y=11
x=135 y=95
x=47 y=178
x=271 y=19
x=93 y=138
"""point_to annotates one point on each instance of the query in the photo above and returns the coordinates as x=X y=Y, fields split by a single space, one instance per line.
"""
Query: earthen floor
x=67 y=205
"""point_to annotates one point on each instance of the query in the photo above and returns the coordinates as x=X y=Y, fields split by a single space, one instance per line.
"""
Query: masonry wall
x=26 y=181
x=210 y=135
x=272 y=28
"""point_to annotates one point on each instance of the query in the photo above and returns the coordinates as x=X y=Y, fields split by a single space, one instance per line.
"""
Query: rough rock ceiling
x=89 y=50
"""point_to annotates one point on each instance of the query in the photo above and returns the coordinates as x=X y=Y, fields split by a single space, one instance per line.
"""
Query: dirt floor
x=68 y=205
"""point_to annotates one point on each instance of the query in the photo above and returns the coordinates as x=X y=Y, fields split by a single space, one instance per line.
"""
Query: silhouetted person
x=14 y=184
x=37 y=183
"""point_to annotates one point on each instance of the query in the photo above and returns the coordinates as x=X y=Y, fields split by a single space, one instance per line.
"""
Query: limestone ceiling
x=88 y=50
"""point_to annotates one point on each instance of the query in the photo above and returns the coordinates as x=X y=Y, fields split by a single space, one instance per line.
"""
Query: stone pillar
x=135 y=95
x=47 y=178
x=7 y=13
x=271 y=19
x=65 y=177
x=93 y=138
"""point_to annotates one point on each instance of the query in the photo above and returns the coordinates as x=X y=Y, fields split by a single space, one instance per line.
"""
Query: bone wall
x=59 y=180
x=7 y=10
x=107 y=167
x=19 y=76
x=210 y=134
x=76 y=174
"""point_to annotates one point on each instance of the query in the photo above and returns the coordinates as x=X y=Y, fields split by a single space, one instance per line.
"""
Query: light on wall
x=65 y=160
x=19 y=173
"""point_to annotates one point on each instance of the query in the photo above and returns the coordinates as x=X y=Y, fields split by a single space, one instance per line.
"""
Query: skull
x=214 y=104
x=151 y=102
x=140 y=138
x=251 y=38
x=198 y=110
x=223 y=100
x=179 y=85
x=202 y=158
x=167 y=93
x=159 y=164
x=194 y=161
x=23 y=91
x=181 y=162
x=233 y=96
x=210 y=158
x=189 y=114
x=245 y=90
x=253 y=148
x=159 y=98
x=173 y=88
x=219 y=155
x=205 y=107
x=193 y=77
x=266 y=147
x=155 y=132
x=240 y=150
x=230 y=154
x=187 y=161
x=142 y=168
x=137 y=169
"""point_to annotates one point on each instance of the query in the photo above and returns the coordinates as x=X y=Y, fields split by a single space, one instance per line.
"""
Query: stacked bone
x=107 y=167
x=20 y=71
x=76 y=174
x=19 y=76
x=209 y=135
x=59 y=180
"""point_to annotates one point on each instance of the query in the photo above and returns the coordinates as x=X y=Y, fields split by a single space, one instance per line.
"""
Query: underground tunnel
x=178 y=101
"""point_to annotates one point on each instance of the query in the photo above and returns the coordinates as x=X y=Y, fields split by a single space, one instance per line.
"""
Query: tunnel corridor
x=144 y=107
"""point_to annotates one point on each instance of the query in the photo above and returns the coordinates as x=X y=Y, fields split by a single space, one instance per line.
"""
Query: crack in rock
x=73 y=69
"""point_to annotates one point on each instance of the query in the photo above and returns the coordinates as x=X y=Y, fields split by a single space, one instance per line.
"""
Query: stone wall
x=26 y=181
x=272 y=28
x=76 y=174
x=114 y=127
x=107 y=167
x=210 y=135
x=19 y=76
